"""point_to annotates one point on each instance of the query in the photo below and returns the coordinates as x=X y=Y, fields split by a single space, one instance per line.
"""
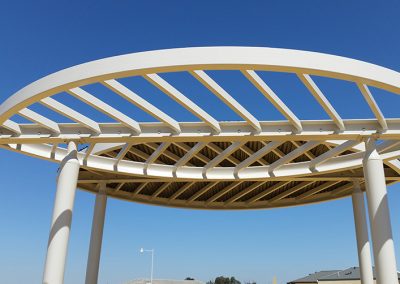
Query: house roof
x=348 y=274
x=329 y=275
x=314 y=277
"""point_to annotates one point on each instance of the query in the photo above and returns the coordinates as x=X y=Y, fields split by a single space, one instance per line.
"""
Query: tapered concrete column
x=382 y=241
x=96 y=238
x=62 y=216
x=364 y=249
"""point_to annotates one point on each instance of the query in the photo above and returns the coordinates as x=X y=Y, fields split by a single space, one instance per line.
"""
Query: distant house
x=347 y=276
x=164 y=281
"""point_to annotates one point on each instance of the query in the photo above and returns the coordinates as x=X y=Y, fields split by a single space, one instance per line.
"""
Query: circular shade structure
x=127 y=114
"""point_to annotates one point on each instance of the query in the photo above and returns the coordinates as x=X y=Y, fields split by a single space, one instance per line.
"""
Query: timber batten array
x=211 y=163
x=224 y=193
x=210 y=149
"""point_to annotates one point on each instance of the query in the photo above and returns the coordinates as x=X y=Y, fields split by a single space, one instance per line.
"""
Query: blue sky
x=40 y=37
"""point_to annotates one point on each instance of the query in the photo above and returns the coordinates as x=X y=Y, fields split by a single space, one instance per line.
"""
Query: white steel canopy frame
x=241 y=159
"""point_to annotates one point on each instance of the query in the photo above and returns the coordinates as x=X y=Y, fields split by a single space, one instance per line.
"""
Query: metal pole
x=152 y=265
x=62 y=216
x=142 y=250
x=364 y=249
x=382 y=240
x=96 y=238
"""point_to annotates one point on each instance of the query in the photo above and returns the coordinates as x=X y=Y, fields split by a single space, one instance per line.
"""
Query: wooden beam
x=244 y=192
x=267 y=191
x=290 y=191
x=185 y=187
x=218 y=150
x=201 y=191
x=257 y=155
x=317 y=189
x=250 y=152
x=190 y=154
x=223 y=191
x=307 y=153
x=223 y=155
x=163 y=187
x=158 y=152
x=198 y=155
x=139 y=189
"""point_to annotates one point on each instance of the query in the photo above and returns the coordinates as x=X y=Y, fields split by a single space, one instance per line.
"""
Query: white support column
x=96 y=238
x=62 y=215
x=381 y=230
x=364 y=249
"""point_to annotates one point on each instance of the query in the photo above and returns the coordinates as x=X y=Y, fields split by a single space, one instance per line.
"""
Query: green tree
x=226 y=280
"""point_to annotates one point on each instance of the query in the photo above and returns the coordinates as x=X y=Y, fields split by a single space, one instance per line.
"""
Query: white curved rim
x=204 y=58
x=41 y=138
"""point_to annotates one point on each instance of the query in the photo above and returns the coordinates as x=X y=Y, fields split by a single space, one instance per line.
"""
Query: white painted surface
x=382 y=240
x=62 y=217
x=363 y=246
x=96 y=237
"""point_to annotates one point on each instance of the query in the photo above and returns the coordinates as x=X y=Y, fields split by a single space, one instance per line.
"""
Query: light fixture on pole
x=142 y=250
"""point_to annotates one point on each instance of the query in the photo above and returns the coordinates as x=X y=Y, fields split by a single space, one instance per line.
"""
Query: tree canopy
x=224 y=280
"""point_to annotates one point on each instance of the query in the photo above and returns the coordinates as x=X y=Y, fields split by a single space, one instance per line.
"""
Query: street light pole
x=142 y=250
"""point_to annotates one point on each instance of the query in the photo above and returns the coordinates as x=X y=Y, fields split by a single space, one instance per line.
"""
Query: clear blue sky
x=40 y=37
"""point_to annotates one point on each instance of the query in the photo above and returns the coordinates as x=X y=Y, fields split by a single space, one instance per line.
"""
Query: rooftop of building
x=351 y=273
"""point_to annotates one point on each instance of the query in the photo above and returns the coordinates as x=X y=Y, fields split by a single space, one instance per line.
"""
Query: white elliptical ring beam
x=202 y=58
x=49 y=136
x=190 y=60
x=170 y=172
